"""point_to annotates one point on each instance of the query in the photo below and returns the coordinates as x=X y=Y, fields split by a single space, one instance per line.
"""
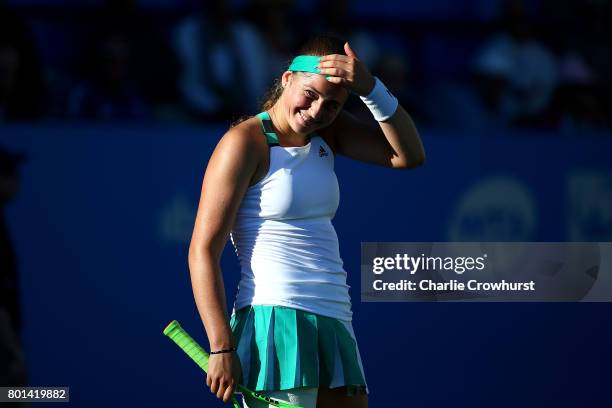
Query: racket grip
x=182 y=339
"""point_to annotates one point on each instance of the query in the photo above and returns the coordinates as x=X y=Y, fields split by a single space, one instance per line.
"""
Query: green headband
x=305 y=63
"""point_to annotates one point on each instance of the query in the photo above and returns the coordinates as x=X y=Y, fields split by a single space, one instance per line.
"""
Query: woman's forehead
x=323 y=87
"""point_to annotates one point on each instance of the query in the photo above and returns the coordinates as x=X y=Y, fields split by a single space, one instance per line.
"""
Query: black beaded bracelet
x=229 y=350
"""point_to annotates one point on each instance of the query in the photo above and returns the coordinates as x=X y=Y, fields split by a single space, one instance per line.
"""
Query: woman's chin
x=299 y=127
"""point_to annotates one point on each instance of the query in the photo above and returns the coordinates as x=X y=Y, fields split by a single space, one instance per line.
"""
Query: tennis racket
x=182 y=339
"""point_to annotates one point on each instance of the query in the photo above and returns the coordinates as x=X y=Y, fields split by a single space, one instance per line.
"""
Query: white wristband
x=380 y=101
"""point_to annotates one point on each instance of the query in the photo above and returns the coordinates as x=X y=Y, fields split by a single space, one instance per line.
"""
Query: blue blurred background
x=109 y=111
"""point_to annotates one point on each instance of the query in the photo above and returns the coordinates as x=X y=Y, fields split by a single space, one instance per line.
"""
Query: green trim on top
x=268 y=130
x=266 y=127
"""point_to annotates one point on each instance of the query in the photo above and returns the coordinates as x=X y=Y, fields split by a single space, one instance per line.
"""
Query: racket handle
x=182 y=339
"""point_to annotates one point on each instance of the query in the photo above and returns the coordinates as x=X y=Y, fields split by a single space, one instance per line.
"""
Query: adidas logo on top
x=322 y=152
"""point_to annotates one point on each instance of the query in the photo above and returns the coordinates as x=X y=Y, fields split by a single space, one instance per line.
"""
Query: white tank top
x=283 y=235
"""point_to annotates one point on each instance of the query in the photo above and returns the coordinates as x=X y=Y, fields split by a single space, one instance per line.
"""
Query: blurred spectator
x=583 y=100
x=531 y=69
x=226 y=64
x=12 y=363
x=108 y=91
x=481 y=102
x=590 y=31
x=127 y=68
x=578 y=106
x=152 y=60
x=511 y=81
x=22 y=92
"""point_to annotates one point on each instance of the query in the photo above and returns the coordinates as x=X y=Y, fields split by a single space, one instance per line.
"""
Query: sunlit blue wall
x=101 y=228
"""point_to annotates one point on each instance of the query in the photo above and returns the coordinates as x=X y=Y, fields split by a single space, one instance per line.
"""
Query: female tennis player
x=270 y=185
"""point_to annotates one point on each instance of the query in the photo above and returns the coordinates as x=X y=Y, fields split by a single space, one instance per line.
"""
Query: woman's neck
x=285 y=133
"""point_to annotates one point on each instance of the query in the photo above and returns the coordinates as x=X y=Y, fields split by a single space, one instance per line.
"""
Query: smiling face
x=310 y=102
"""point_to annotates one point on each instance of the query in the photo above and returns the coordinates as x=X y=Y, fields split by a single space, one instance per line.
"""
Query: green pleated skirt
x=282 y=348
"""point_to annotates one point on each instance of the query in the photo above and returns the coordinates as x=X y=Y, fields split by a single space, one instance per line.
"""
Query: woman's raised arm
x=395 y=142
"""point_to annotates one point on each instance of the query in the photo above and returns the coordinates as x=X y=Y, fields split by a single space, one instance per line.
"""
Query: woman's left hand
x=347 y=70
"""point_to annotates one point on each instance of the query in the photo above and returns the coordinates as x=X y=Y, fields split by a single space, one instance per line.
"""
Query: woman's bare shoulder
x=246 y=134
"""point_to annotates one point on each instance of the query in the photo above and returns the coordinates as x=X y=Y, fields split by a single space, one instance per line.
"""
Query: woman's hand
x=347 y=70
x=224 y=374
